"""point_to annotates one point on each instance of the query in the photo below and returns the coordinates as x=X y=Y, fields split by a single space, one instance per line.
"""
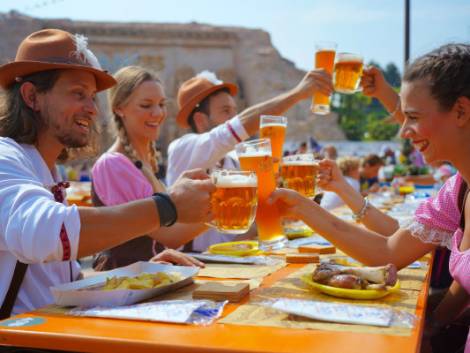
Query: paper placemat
x=185 y=293
x=253 y=282
x=292 y=287
x=239 y=271
x=198 y=312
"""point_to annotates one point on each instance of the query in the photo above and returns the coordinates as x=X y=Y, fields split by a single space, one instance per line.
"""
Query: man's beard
x=70 y=141
x=67 y=137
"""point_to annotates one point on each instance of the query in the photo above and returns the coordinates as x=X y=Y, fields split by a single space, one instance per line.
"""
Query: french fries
x=142 y=281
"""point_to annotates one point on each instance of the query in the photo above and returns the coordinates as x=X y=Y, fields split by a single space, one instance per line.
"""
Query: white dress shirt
x=331 y=200
x=206 y=151
x=203 y=150
x=30 y=225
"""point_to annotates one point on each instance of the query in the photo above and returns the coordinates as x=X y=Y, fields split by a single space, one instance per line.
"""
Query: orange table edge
x=109 y=335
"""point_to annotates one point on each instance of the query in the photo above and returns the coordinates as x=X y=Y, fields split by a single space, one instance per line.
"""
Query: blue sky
x=373 y=28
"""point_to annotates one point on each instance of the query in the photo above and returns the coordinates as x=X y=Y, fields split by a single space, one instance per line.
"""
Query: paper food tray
x=74 y=294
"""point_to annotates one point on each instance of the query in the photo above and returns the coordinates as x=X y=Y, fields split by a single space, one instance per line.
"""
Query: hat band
x=62 y=60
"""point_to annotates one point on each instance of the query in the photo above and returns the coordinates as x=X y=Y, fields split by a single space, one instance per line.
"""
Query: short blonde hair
x=348 y=164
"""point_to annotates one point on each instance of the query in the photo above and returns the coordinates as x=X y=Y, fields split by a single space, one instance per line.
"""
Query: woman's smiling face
x=145 y=111
x=431 y=130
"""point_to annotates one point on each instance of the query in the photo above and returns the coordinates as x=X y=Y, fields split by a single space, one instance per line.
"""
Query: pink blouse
x=438 y=218
x=437 y=221
x=459 y=263
x=117 y=180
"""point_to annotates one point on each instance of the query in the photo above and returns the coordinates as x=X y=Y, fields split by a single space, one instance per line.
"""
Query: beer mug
x=299 y=173
x=256 y=156
x=234 y=200
x=274 y=128
x=347 y=73
x=324 y=59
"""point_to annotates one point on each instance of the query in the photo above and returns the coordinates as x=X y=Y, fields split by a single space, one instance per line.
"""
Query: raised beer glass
x=234 y=200
x=274 y=128
x=256 y=156
x=347 y=73
x=324 y=59
x=299 y=173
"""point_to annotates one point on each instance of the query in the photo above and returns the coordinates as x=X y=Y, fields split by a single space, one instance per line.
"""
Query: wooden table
x=107 y=335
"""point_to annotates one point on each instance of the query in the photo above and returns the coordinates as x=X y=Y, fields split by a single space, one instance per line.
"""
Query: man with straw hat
x=48 y=106
x=206 y=106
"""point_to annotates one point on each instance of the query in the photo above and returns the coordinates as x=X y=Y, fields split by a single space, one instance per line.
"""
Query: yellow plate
x=406 y=189
x=236 y=248
x=301 y=233
x=351 y=293
x=294 y=232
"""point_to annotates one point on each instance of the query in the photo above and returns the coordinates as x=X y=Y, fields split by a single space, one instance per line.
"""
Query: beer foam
x=300 y=162
x=273 y=125
x=236 y=181
x=253 y=152
x=347 y=57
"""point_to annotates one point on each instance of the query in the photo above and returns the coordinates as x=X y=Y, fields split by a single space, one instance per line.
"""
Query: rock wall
x=179 y=51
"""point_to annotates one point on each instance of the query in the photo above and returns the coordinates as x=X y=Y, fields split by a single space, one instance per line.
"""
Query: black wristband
x=166 y=209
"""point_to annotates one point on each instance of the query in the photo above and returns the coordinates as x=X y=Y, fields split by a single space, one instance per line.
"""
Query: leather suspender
x=12 y=293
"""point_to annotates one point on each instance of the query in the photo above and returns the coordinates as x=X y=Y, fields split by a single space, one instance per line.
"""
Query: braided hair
x=128 y=79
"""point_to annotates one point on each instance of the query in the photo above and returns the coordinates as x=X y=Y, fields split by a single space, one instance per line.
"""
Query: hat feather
x=82 y=51
x=209 y=76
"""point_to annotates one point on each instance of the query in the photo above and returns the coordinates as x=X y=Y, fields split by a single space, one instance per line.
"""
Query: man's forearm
x=275 y=106
x=179 y=234
x=106 y=227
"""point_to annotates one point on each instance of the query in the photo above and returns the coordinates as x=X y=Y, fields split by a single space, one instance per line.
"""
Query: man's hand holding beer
x=191 y=195
x=317 y=80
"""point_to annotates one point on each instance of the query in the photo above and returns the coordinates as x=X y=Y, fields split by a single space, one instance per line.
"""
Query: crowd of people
x=49 y=113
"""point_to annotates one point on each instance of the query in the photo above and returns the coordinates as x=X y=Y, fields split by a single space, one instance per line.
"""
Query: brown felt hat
x=193 y=91
x=51 y=49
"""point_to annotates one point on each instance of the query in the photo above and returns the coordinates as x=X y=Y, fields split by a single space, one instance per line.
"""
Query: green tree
x=379 y=130
x=392 y=75
x=352 y=116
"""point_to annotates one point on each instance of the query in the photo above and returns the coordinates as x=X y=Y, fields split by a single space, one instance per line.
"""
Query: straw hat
x=195 y=90
x=51 y=49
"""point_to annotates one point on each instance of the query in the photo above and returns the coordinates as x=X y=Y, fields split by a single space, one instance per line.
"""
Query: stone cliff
x=179 y=51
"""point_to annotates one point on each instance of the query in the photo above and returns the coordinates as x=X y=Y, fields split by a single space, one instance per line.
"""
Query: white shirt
x=331 y=200
x=30 y=224
x=205 y=151
x=202 y=150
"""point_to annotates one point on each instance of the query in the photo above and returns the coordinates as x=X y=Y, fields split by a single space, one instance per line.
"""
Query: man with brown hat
x=206 y=105
x=47 y=108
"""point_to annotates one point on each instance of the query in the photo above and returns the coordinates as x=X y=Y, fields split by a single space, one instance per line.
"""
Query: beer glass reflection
x=299 y=173
x=256 y=155
x=347 y=72
x=234 y=201
x=274 y=128
x=324 y=59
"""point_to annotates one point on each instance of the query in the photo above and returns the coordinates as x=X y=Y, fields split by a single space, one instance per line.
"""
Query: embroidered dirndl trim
x=58 y=190
x=429 y=234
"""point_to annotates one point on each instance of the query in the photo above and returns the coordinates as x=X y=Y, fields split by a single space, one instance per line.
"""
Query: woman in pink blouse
x=434 y=112
x=127 y=171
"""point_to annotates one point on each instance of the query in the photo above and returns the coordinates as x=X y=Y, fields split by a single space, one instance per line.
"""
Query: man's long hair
x=22 y=124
